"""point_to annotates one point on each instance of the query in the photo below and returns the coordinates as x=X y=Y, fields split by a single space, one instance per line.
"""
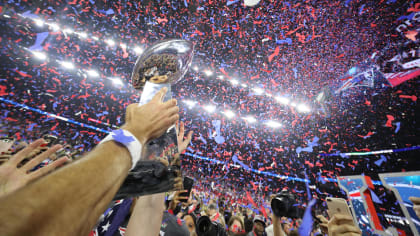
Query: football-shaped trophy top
x=164 y=62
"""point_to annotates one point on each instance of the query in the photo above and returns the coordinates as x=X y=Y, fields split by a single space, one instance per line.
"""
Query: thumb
x=159 y=95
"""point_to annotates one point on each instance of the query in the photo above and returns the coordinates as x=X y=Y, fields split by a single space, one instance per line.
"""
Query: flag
x=400 y=77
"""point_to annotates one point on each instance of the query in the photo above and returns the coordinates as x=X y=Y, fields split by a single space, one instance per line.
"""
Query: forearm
x=70 y=200
x=277 y=229
x=147 y=215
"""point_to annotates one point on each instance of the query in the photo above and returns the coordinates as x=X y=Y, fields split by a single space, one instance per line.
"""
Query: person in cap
x=259 y=227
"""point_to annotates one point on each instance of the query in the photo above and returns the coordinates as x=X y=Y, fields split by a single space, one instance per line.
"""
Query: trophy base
x=148 y=177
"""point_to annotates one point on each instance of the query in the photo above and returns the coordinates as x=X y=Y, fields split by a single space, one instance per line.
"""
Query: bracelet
x=127 y=139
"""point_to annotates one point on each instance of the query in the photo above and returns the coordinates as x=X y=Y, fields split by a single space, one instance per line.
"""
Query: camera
x=206 y=227
x=285 y=204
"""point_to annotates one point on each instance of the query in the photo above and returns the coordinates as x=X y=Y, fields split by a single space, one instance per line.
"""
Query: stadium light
x=138 y=50
x=39 y=22
x=93 y=73
x=283 y=100
x=67 y=65
x=273 y=124
x=250 y=119
x=110 y=42
x=40 y=55
x=258 y=91
x=190 y=103
x=208 y=72
x=116 y=81
x=229 y=114
x=210 y=108
x=303 y=108
x=6 y=16
x=54 y=26
x=68 y=30
x=83 y=35
x=234 y=82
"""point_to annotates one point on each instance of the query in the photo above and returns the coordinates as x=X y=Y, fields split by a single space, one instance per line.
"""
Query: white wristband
x=127 y=139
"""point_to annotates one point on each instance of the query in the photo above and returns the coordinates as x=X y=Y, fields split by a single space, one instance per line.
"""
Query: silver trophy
x=161 y=65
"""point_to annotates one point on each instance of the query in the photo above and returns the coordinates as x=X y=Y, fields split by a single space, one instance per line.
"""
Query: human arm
x=146 y=218
x=78 y=193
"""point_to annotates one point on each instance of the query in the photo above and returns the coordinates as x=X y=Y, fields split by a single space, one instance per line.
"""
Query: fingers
x=189 y=137
x=169 y=121
x=322 y=218
x=178 y=186
x=415 y=200
x=159 y=95
x=46 y=169
x=38 y=159
x=341 y=219
x=181 y=130
x=172 y=111
x=18 y=157
x=168 y=104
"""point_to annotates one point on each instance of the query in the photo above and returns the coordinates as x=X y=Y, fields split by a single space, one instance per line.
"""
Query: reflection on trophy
x=161 y=65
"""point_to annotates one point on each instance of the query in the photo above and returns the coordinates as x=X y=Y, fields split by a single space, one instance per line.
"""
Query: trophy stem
x=150 y=89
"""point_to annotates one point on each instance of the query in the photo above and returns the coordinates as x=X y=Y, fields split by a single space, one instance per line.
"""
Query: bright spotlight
x=117 y=81
x=67 y=65
x=303 y=108
x=39 y=22
x=221 y=77
x=54 y=26
x=208 y=72
x=123 y=45
x=95 y=38
x=110 y=42
x=250 y=119
x=190 y=103
x=283 y=100
x=6 y=16
x=244 y=85
x=68 y=31
x=138 y=50
x=40 y=55
x=195 y=68
x=92 y=73
x=234 y=82
x=83 y=35
x=273 y=124
x=293 y=104
x=210 y=108
x=258 y=91
x=229 y=114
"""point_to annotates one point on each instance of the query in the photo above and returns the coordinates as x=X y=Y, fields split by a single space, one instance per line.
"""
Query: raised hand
x=182 y=143
x=342 y=225
x=152 y=119
x=177 y=199
x=13 y=177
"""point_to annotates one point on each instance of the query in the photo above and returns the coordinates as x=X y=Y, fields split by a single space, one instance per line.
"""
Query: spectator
x=259 y=227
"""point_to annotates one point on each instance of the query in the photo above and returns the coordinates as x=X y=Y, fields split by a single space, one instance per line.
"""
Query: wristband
x=127 y=139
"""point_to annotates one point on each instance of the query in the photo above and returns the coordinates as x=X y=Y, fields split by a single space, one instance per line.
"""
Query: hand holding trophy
x=161 y=65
